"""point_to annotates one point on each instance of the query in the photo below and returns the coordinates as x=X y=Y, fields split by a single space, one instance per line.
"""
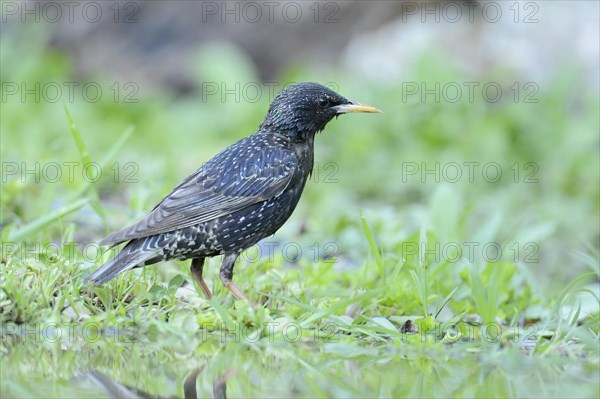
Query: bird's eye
x=323 y=102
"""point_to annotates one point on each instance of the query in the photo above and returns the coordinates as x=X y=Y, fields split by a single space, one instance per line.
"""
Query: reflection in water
x=189 y=386
x=116 y=390
x=111 y=388
x=175 y=366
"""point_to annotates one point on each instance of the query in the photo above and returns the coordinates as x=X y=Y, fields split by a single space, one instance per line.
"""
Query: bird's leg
x=226 y=274
x=196 y=269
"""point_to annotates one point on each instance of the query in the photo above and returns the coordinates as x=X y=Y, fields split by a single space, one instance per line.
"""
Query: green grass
x=379 y=247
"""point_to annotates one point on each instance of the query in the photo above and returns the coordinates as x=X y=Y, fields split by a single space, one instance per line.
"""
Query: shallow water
x=240 y=364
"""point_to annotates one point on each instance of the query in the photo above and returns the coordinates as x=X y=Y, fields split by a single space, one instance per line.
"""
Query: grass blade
x=83 y=151
x=44 y=221
x=374 y=248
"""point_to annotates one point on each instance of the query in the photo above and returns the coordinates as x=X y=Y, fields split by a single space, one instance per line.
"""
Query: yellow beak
x=355 y=107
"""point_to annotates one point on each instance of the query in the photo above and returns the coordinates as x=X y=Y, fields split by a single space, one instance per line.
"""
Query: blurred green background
x=181 y=82
x=540 y=133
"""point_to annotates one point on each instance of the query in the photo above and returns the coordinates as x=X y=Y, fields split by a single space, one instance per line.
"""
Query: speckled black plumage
x=243 y=194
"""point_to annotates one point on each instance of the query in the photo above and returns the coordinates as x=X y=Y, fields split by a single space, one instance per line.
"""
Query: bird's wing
x=244 y=174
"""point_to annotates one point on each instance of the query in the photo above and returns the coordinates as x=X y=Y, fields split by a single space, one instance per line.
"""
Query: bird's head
x=303 y=109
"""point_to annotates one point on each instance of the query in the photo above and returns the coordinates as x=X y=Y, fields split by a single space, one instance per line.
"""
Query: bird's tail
x=132 y=255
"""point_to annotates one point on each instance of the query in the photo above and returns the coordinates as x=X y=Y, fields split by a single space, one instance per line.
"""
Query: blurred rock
x=528 y=40
x=158 y=41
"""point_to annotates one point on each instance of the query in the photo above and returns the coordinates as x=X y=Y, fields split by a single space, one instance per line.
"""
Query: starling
x=242 y=195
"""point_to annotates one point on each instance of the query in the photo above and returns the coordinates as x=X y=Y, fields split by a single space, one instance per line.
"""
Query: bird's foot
x=239 y=294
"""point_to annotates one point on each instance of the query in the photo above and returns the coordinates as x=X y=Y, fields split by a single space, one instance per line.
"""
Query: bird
x=242 y=195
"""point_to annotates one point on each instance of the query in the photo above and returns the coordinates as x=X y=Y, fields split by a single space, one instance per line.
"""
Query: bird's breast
x=305 y=153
